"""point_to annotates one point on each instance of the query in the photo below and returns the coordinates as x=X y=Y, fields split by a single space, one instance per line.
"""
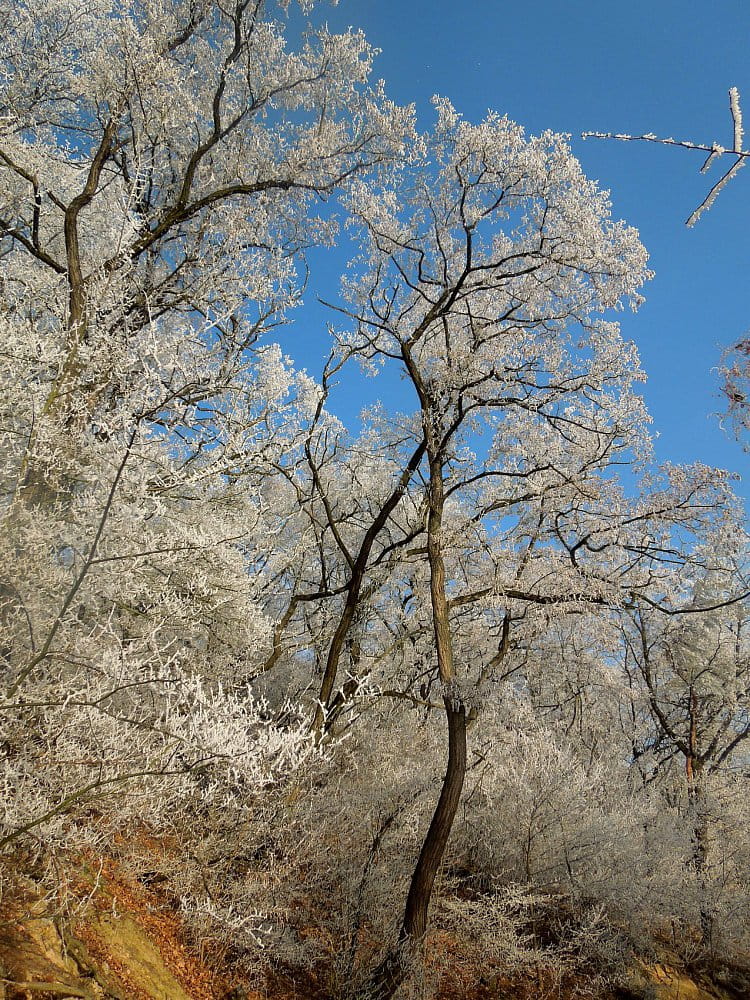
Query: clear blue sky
x=663 y=66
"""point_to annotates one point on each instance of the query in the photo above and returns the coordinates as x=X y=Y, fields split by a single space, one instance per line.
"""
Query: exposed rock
x=118 y=946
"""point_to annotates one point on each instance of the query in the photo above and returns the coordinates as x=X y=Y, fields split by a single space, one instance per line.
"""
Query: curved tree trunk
x=394 y=968
x=433 y=848
x=700 y=821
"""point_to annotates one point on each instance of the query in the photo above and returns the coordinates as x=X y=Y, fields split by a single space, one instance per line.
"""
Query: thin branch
x=81 y=576
x=714 y=151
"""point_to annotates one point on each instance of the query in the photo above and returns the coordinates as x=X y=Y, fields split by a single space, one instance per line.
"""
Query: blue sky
x=661 y=66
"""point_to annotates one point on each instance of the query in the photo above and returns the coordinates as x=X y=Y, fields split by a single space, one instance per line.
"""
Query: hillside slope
x=115 y=939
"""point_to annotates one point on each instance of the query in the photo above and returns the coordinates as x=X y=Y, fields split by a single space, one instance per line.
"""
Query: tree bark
x=396 y=965
x=436 y=841
x=699 y=820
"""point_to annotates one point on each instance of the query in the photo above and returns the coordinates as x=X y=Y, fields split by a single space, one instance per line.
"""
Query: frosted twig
x=711 y=196
x=652 y=137
x=714 y=151
x=736 y=110
x=714 y=154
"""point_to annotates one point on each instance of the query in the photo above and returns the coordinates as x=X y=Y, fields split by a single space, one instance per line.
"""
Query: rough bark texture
x=433 y=848
x=396 y=965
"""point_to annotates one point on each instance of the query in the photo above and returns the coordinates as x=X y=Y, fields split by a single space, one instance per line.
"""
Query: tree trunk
x=700 y=858
x=699 y=820
x=396 y=965
x=394 y=968
x=433 y=848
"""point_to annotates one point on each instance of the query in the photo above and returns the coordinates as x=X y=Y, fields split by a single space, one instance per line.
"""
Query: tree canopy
x=226 y=614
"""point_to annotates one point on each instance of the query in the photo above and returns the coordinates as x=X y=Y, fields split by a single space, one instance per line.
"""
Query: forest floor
x=120 y=940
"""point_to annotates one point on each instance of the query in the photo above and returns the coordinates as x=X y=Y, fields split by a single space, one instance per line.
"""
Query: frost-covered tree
x=161 y=159
x=689 y=670
x=160 y=164
x=208 y=580
x=487 y=273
